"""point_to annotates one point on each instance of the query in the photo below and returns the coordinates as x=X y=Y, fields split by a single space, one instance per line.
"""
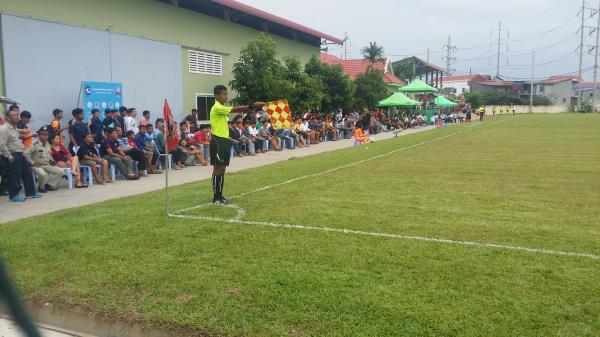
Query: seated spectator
x=129 y=146
x=17 y=166
x=202 y=141
x=310 y=134
x=150 y=157
x=111 y=152
x=273 y=136
x=130 y=122
x=39 y=156
x=77 y=129
x=184 y=130
x=235 y=137
x=145 y=120
x=88 y=155
x=186 y=156
x=63 y=159
x=331 y=131
x=193 y=120
x=359 y=136
x=24 y=130
x=96 y=127
x=160 y=145
x=151 y=146
x=317 y=129
x=264 y=133
x=251 y=139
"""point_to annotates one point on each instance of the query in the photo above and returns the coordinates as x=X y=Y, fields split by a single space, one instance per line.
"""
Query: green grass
x=529 y=181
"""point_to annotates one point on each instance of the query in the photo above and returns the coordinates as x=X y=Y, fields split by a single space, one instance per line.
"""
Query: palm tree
x=373 y=53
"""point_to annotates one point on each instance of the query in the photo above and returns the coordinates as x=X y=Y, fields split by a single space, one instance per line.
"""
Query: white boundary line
x=242 y=212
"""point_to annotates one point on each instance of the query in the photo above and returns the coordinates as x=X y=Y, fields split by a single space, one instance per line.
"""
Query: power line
x=559 y=27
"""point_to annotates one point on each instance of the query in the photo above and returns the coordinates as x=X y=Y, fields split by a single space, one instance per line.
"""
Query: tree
x=405 y=71
x=303 y=92
x=257 y=74
x=338 y=87
x=370 y=88
x=373 y=53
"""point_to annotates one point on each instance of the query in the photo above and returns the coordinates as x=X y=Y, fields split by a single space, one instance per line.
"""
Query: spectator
x=145 y=120
x=359 y=136
x=186 y=156
x=251 y=139
x=250 y=118
x=149 y=155
x=151 y=145
x=128 y=145
x=96 y=127
x=88 y=156
x=63 y=159
x=202 y=141
x=77 y=130
x=24 y=130
x=39 y=156
x=366 y=122
x=263 y=133
x=12 y=149
x=121 y=117
x=110 y=120
x=160 y=145
x=55 y=124
x=130 y=122
x=111 y=152
x=193 y=119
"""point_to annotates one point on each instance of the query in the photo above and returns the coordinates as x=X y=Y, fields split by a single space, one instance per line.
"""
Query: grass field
x=530 y=181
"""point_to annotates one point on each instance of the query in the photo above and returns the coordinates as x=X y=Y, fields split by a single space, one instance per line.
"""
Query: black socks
x=217 y=183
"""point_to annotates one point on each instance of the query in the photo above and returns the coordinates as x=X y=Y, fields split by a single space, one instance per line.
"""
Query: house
x=357 y=67
x=461 y=83
x=558 y=89
x=157 y=49
x=517 y=89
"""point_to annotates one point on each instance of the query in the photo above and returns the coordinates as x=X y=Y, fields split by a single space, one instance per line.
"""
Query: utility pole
x=595 y=59
x=345 y=46
x=427 y=54
x=449 y=58
x=498 y=60
x=531 y=88
x=582 y=13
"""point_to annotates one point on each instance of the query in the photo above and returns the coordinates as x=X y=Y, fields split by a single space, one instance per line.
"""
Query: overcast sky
x=410 y=27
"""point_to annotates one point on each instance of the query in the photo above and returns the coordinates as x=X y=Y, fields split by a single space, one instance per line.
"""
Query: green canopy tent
x=418 y=86
x=398 y=99
x=443 y=102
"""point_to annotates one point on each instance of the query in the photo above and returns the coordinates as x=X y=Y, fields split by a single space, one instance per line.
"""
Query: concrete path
x=64 y=198
x=8 y=328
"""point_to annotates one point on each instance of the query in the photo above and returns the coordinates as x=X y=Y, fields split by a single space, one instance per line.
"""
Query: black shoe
x=41 y=190
x=50 y=188
x=221 y=201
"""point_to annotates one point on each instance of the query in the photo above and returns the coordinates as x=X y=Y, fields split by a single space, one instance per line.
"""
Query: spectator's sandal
x=81 y=186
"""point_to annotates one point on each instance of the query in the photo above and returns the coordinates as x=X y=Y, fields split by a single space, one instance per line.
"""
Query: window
x=204 y=103
x=205 y=63
x=564 y=100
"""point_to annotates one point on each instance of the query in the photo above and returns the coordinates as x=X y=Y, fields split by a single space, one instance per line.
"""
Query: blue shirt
x=112 y=144
x=96 y=128
x=140 y=141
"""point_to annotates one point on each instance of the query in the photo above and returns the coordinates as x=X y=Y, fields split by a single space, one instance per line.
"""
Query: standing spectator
x=88 y=156
x=55 y=124
x=366 y=122
x=96 y=127
x=77 y=130
x=193 y=119
x=63 y=159
x=121 y=117
x=111 y=152
x=110 y=120
x=130 y=122
x=12 y=149
x=145 y=120
x=24 y=130
x=39 y=156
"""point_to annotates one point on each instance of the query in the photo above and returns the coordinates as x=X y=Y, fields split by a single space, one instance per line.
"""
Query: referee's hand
x=259 y=104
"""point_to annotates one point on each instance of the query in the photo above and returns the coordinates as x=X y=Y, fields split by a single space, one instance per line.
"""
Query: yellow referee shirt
x=218 y=120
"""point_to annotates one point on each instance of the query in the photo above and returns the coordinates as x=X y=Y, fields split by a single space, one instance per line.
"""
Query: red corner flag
x=171 y=129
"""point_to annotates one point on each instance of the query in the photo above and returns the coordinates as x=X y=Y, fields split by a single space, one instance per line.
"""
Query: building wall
x=476 y=87
x=458 y=85
x=559 y=93
x=155 y=20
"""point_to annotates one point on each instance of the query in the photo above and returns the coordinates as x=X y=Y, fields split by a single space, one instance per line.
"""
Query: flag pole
x=167 y=120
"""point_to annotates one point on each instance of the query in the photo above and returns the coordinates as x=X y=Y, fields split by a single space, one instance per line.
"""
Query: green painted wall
x=158 y=21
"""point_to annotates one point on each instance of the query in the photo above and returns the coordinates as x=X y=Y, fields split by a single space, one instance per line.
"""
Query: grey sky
x=410 y=27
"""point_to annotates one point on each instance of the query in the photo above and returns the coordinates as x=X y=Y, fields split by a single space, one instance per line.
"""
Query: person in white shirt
x=130 y=122
x=304 y=127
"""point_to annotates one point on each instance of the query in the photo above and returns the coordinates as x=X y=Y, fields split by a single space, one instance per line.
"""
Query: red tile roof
x=358 y=67
x=561 y=78
x=275 y=19
x=468 y=78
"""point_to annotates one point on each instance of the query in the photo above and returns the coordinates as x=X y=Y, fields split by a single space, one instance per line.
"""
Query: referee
x=220 y=146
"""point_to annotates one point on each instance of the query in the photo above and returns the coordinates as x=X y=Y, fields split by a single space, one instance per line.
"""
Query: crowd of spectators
x=134 y=148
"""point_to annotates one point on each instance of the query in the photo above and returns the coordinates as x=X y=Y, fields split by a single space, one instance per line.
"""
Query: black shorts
x=220 y=151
